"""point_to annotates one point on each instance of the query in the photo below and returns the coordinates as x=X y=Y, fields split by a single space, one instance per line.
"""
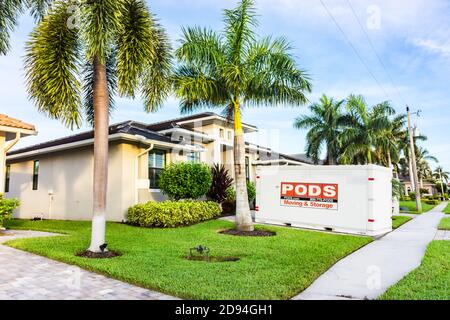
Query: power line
x=376 y=53
x=354 y=49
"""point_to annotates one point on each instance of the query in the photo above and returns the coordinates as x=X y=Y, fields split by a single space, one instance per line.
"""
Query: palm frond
x=9 y=14
x=99 y=23
x=239 y=29
x=51 y=66
x=39 y=8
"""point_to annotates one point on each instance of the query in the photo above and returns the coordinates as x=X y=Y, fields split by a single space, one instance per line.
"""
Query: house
x=53 y=180
x=428 y=185
x=11 y=131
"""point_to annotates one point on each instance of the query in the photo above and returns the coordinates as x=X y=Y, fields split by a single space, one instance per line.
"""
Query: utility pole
x=413 y=163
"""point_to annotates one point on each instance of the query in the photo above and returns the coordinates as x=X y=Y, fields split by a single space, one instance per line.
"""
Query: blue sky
x=411 y=37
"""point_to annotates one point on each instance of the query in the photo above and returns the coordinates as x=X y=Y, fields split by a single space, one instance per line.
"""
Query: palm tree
x=423 y=167
x=389 y=142
x=232 y=71
x=364 y=127
x=9 y=15
x=325 y=126
x=439 y=174
x=115 y=38
x=405 y=162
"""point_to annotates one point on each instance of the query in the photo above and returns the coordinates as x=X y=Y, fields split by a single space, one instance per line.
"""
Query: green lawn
x=430 y=281
x=397 y=221
x=445 y=224
x=269 y=268
x=447 y=209
x=411 y=205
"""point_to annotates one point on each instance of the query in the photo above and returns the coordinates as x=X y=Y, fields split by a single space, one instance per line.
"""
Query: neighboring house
x=53 y=180
x=11 y=131
x=430 y=186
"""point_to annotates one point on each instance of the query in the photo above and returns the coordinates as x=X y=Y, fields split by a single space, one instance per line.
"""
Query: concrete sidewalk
x=370 y=271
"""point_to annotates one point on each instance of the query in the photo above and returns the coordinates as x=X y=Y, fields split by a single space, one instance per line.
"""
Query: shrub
x=423 y=191
x=7 y=207
x=221 y=181
x=186 y=181
x=432 y=202
x=229 y=206
x=170 y=214
x=412 y=196
x=440 y=186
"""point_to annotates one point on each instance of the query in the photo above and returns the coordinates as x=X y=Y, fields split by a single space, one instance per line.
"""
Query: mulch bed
x=98 y=255
x=254 y=233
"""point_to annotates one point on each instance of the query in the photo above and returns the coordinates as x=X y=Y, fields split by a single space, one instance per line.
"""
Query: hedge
x=186 y=180
x=170 y=214
x=7 y=207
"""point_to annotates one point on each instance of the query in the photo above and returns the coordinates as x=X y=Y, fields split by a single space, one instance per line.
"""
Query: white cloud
x=433 y=46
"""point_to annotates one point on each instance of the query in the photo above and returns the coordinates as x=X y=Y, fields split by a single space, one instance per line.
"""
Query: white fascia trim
x=113 y=137
x=277 y=161
x=254 y=147
x=18 y=130
x=254 y=129
x=189 y=132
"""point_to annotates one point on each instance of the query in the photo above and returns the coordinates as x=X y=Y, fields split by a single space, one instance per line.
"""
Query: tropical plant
x=388 y=143
x=7 y=207
x=117 y=38
x=10 y=11
x=234 y=70
x=325 y=126
x=221 y=181
x=439 y=174
x=364 y=127
x=186 y=180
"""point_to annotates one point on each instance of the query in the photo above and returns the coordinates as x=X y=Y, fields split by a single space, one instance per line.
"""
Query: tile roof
x=14 y=123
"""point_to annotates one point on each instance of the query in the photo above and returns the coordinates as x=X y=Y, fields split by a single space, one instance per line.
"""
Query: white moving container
x=349 y=199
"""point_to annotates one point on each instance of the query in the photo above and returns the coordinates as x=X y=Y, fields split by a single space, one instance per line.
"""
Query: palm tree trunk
x=243 y=216
x=101 y=133
x=389 y=160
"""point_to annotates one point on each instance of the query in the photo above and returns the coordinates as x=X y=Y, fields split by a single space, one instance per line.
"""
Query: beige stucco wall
x=68 y=176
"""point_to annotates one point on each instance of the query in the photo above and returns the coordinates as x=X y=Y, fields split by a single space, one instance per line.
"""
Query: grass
x=276 y=267
x=430 y=281
x=397 y=221
x=445 y=224
x=447 y=209
x=411 y=205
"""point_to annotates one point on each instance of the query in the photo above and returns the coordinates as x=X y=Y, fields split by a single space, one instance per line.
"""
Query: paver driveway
x=25 y=276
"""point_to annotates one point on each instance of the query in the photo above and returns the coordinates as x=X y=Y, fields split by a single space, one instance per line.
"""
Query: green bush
x=170 y=214
x=424 y=191
x=432 y=202
x=412 y=196
x=186 y=180
x=229 y=206
x=7 y=207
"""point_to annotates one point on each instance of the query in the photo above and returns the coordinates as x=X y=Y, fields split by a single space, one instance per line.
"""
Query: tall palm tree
x=364 y=127
x=115 y=38
x=388 y=143
x=423 y=167
x=439 y=174
x=233 y=70
x=10 y=10
x=325 y=126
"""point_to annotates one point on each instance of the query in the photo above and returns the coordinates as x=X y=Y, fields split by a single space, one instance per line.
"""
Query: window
x=7 y=177
x=221 y=132
x=247 y=168
x=156 y=164
x=193 y=157
x=35 y=174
